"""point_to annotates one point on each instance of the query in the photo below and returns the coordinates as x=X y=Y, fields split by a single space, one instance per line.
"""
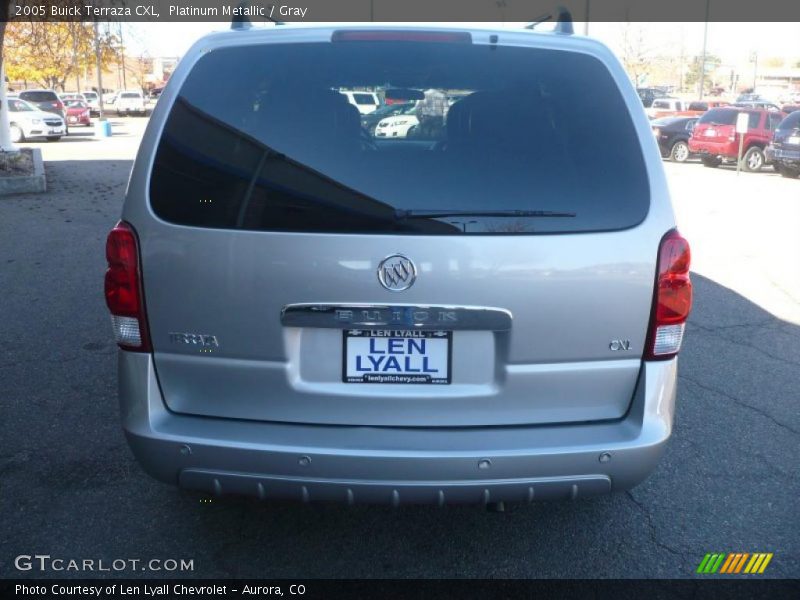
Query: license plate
x=55 y=131
x=793 y=140
x=73 y=120
x=711 y=132
x=396 y=356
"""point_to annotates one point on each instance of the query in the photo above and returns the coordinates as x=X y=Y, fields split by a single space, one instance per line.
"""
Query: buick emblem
x=397 y=273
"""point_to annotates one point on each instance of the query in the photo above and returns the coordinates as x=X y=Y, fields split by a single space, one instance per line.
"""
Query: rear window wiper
x=435 y=214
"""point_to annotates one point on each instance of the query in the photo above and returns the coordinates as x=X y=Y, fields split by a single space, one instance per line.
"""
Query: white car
x=93 y=100
x=130 y=101
x=396 y=126
x=365 y=102
x=26 y=121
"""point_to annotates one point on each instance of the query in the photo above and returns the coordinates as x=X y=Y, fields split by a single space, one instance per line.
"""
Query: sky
x=731 y=41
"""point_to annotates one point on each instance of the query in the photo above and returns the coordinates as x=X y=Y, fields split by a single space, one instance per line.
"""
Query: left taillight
x=672 y=299
x=123 y=289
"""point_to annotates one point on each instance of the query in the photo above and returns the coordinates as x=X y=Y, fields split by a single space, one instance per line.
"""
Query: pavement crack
x=652 y=527
x=741 y=403
x=716 y=331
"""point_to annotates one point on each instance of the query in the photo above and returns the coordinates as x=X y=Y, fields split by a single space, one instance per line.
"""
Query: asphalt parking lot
x=70 y=488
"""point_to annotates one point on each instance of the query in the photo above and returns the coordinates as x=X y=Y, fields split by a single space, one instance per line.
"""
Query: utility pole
x=122 y=55
x=754 y=57
x=703 y=58
x=99 y=70
x=586 y=20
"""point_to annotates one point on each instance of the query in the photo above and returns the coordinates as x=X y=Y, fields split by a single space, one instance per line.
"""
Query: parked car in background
x=648 y=95
x=46 y=100
x=397 y=126
x=26 y=121
x=672 y=135
x=72 y=96
x=365 y=102
x=764 y=104
x=665 y=107
x=78 y=112
x=398 y=322
x=784 y=151
x=698 y=107
x=109 y=97
x=369 y=121
x=93 y=100
x=715 y=139
x=130 y=102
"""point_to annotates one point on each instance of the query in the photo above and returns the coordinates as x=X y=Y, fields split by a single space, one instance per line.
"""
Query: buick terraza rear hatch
x=483 y=265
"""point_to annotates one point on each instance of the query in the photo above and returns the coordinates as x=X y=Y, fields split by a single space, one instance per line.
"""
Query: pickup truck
x=128 y=102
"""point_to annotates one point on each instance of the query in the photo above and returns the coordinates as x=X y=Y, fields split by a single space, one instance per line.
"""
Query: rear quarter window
x=259 y=138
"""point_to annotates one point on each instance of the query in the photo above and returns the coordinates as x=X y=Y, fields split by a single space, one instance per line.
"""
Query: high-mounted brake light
x=400 y=36
x=672 y=299
x=123 y=289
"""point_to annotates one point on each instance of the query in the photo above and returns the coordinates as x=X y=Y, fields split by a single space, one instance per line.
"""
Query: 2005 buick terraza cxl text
x=486 y=309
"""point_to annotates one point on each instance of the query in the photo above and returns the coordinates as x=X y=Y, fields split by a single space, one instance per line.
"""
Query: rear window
x=727 y=116
x=698 y=106
x=259 y=138
x=131 y=95
x=790 y=122
x=39 y=96
x=364 y=99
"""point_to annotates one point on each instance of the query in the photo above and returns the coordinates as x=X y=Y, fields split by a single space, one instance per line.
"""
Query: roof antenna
x=564 y=21
x=240 y=20
x=539 y=20
x=269 y=16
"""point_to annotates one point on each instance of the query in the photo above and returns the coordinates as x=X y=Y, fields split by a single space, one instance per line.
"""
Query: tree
x=141 y=68
x=693 y=75
x=49 y=53
x=635 y=52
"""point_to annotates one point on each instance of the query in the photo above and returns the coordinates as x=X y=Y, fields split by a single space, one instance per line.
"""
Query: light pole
x=703 y=58
x=754 y=58
x=99 y=70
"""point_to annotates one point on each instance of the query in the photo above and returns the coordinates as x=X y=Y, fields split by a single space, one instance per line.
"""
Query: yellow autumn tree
x=47 y=54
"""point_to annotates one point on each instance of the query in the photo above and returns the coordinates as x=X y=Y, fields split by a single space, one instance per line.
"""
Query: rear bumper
x=395 y=465
x=725 y=149
x=783 y=155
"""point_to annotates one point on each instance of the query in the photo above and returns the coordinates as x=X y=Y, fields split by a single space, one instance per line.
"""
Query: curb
x=26 y=184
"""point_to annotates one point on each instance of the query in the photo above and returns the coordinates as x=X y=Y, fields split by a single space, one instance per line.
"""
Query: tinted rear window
x=790 y=122
x=131 y=95
x=364 y=99
x=259 y=138
x=727 y=116
x=39 y=96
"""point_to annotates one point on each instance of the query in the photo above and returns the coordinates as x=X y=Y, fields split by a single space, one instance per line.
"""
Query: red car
x=715 y=139
x=77 y=113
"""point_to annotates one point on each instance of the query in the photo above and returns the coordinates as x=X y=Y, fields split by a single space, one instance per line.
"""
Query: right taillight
x=123 y=289
x=672 y=300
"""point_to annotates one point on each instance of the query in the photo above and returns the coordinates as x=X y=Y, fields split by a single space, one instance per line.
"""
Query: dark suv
x=46 y=100
x=716 y=141
x=784 y=151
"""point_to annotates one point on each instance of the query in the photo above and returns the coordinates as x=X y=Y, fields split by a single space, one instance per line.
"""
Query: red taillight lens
x=672 y=300
x=123 y=289
x=58 y=105
x=401 y=36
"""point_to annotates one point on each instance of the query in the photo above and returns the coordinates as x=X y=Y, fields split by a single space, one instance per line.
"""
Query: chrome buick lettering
x=194 y=339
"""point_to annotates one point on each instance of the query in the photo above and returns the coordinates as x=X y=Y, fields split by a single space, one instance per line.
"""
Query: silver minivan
x=488 y=310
